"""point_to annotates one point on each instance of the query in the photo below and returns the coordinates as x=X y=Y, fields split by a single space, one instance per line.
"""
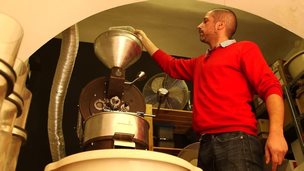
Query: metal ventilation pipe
x=68 y=53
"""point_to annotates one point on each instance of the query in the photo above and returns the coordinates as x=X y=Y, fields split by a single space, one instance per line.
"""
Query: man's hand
x=275 y=149
x=147 y=43
x=140 y=34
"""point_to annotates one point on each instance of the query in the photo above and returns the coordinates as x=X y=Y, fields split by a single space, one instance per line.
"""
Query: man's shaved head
x=228 y=17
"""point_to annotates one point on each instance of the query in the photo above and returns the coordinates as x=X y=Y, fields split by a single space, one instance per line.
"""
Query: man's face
x=206 y=28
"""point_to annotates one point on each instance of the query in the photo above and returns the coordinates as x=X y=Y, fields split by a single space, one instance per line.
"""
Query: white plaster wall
x=285 y=13
x=43 y=20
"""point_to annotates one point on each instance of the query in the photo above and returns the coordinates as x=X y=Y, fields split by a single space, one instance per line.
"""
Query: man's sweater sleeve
x=176 y=68
x=258 y=72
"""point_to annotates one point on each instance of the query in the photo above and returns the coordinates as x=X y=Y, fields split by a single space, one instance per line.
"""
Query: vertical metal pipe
x=65 y=65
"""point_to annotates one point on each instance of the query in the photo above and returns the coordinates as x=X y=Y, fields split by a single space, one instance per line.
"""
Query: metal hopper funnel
x=118 y=48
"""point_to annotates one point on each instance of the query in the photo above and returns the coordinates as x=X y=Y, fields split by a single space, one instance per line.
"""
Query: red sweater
x=224 y=83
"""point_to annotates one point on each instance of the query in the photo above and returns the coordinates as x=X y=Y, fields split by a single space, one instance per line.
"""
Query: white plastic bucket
x=121 y=159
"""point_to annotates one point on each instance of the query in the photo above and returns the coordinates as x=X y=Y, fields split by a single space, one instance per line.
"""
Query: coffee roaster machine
x=113 y=129
x=113 y=108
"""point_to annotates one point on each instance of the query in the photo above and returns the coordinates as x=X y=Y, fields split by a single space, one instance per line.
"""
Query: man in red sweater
x=225 y=79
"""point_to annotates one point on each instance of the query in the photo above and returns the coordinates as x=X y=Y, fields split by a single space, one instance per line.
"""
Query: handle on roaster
x=140 y=76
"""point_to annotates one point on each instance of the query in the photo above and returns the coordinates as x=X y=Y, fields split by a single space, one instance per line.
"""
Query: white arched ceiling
x=43 y=20
x=285 y=13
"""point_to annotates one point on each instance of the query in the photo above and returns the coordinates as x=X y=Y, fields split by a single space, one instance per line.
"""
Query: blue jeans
x=234 y=151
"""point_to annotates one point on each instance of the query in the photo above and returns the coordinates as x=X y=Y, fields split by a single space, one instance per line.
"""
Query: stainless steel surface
x=141 y=75
x=9 y=74
x=295 y=65
x=93 y=99
x=106 y=104
x=18 y=102
x=8 y=115
x=27 y=98
x=19 y=132
x=14 y=150
x=123 y=126
x=118 y=48
x=3 y=89
x=11 y=34
x=21 y=69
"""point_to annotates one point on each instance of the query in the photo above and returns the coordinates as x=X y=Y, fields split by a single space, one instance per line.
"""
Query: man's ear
x=220 y=25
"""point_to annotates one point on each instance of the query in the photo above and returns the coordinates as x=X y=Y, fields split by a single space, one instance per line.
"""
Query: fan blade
x=157 y=83
x=175 y=103
x=162 y=105
x=154 y=100
x=177 y=93
x=167 y=104
x=169 y=81
x=151 y=99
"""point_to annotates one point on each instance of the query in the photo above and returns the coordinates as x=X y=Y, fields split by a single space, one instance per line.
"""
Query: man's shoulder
x=246 y=43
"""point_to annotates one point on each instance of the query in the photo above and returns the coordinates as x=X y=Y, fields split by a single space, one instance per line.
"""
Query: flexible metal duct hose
x=68 y=53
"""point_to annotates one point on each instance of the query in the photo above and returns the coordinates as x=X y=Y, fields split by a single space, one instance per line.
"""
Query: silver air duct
x=68 y=53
